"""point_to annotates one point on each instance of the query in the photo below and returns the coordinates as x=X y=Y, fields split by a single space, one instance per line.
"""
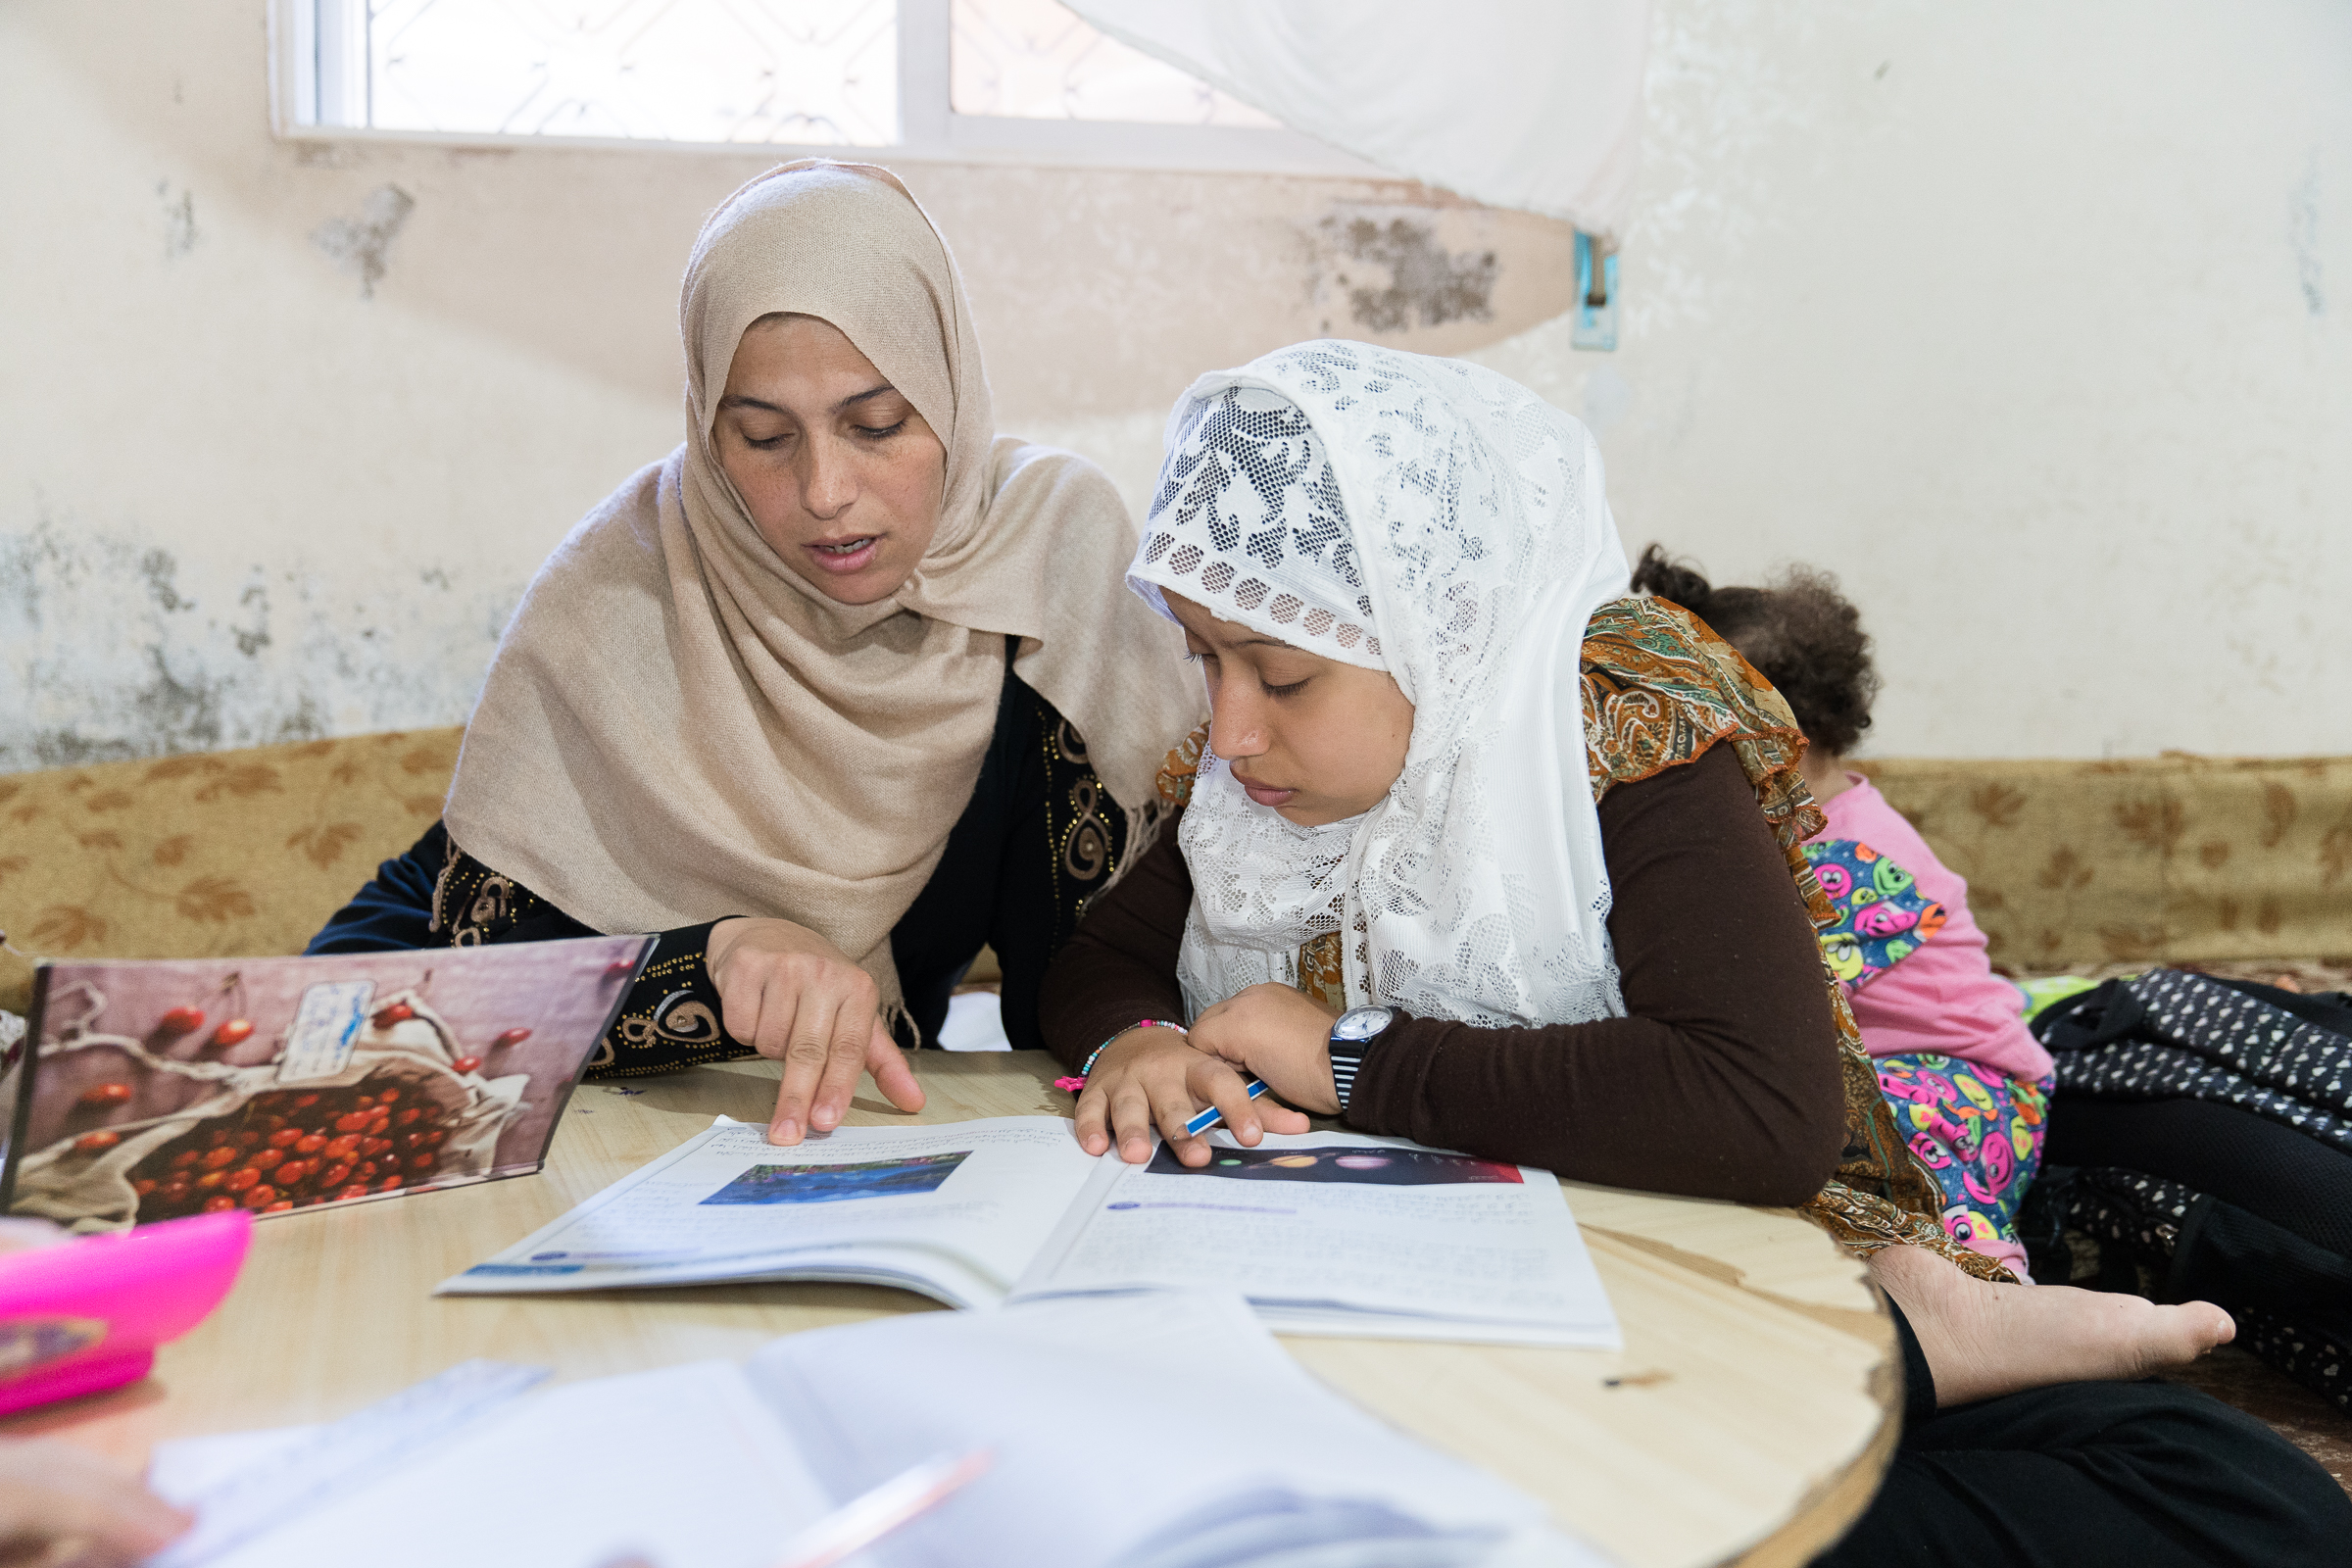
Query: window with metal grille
x=963 y=81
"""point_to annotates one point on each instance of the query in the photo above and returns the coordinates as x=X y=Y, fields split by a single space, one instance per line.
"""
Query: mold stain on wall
x=1434 y=274
x=359 y=244
x=2303 y=231
x=180 y=221
x=1424 y=283
x=124 y=650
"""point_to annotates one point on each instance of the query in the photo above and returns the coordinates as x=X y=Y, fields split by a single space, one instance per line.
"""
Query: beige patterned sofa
x=2071 y=865
x=231 y=853
x=2195 y=861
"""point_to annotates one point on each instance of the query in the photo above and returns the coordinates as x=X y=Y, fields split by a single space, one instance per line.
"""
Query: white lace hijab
x=1437 y=521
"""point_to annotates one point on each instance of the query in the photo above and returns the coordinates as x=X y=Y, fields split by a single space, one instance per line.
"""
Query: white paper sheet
x=685 y=1468
x=1156 y=1431
x=1137 y=1431
x=954 y=1211
x=1340 y=1233
x=182 y=1468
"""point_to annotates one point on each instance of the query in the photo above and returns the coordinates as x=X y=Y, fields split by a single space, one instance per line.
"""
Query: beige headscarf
x=677 y=728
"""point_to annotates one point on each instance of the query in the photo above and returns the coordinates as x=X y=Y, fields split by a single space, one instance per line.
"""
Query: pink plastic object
x=86 y=1316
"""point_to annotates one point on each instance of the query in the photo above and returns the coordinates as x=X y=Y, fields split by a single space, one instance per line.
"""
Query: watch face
x=1363 y=1023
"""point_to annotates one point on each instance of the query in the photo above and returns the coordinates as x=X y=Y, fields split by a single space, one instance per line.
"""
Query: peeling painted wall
x=2026 y=321
x=286 y=428
x=123 y=647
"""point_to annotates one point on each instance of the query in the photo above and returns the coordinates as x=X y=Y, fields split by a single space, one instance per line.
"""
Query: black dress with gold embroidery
x=1039 y=836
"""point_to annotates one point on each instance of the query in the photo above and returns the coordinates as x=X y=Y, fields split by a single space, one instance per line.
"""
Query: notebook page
x=1129 y=1430
x=682 y=1468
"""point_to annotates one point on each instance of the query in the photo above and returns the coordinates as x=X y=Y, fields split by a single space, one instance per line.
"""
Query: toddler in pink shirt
x=1942 y=999
x=1970 y=1083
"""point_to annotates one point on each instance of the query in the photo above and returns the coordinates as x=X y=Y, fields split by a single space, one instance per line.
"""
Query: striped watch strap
x=1352 y=1038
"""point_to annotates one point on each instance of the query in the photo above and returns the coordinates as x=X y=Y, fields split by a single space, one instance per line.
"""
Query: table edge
x=1831 y=1509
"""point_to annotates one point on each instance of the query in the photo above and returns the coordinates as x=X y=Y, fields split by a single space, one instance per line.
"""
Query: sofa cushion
x=2174 y=859
x=226 y=854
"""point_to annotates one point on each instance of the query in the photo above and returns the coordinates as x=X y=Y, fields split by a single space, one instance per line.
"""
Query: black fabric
x=1919 y=1379
x=2126 y=1229
x=2313 y=1346
x=396 y=910
x=2329 y=1009
x=2200 y=1149
x=405 y=905
x=1038 y=837
x=2137 y=1475
x=2113 y=1009
x=2169 y=1034
x=2245 y=1262
x=2199 y=1248
x=2261 y=1165
x=2115 y=1229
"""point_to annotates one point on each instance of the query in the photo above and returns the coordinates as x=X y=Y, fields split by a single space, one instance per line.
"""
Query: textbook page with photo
x=1323 y=1233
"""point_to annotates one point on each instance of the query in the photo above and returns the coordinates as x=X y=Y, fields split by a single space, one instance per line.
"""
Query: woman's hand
x=793 y=997
x=52 y=1493
x=1280 y=1034
x=1148 y=1074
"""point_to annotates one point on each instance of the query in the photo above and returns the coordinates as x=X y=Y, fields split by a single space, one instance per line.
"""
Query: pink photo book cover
x=154 y=1088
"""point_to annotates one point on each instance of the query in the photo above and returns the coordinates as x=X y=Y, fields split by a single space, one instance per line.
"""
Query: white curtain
x=1533 y=104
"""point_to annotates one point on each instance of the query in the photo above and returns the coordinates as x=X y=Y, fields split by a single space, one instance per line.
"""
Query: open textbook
x=716 y=1465
x=1324 y=1233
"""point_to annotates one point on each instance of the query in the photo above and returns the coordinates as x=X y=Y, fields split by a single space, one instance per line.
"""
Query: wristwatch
x=1352 y=1038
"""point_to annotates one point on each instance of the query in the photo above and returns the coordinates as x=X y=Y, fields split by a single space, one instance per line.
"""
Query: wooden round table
x=1748 y=1420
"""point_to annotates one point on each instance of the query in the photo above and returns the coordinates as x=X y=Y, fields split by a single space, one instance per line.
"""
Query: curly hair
x=1800 y=633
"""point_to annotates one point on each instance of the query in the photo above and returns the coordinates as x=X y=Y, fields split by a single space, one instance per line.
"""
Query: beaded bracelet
x=1087 y=1071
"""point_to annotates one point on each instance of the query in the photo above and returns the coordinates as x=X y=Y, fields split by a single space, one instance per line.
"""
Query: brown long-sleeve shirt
x=1723 y=1081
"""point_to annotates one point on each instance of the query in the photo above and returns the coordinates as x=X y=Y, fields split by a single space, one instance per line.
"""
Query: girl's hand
x=1148 y=1074
x=1279 y=1033
x=795 y=997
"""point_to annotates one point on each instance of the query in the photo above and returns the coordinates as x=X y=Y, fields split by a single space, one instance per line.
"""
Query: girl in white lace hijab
x=1482 y=852
x=1481 y=543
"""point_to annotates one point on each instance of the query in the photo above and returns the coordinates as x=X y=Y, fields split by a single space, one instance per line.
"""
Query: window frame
x=319 y=61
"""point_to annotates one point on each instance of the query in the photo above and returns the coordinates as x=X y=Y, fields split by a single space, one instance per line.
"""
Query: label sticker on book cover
x=325 y=1027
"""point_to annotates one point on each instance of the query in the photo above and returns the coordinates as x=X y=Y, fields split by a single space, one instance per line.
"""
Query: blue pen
x=1212 y=1115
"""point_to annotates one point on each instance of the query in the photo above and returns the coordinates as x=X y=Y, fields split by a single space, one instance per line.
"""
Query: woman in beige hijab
x=834 y=693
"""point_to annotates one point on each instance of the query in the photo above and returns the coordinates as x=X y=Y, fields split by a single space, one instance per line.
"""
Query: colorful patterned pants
x=1980 y=1132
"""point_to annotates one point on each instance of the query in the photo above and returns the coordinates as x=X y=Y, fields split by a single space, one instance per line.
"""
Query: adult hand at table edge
x=1152 y=1074
x=1279 y=1033
x=795 y=997
x=52 y=1493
